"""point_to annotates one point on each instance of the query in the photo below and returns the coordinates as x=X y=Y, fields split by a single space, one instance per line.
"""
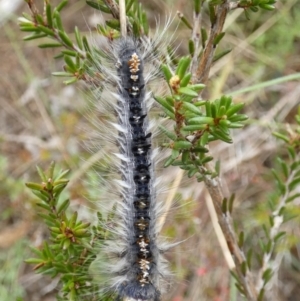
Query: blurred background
x=42 y=120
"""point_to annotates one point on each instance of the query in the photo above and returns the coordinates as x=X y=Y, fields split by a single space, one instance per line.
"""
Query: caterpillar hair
x=137 y=271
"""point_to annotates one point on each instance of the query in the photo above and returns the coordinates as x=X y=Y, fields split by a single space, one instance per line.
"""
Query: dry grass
x=41 y=120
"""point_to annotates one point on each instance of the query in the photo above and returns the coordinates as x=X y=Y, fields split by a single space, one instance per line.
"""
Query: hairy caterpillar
x=138 y=270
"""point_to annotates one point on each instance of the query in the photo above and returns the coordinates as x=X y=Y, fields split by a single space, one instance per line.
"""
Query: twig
x=116 y=11
x=195 y=39
x=114 y=8
x=202 y=72
x=219 y=233
x=123 y=17
x=274 y=231
x=213 y=185
x=214 y=188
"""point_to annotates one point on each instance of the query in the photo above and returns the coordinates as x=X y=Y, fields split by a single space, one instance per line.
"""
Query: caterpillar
x=138 y=271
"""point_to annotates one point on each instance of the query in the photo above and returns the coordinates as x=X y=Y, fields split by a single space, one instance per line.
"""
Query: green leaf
x=204 y=139
x=55 y=230
x=66 y=244
x=261 y=295
x=175 y=153
x=58 y=21
x=99 y=6
x=218 y=38
x=47 y=217
x=234 y=275
x=167 y=72
x=200 y=178
x=238 y=117
x=42 y=195
x=73 y=219
x=70 y=63
x=70 y=53
x=45 y=206
x=35 y=36
x=192 y=108
x=185 y=157
x=249 y=258
x=61 y=174
x=50 y=45
x=82 y=233
x=192 y=172
x=170 y=100
x=39 y=18
x=240 y=288
x=34 y=186
x=294 y=183
x=218 y=56
x=234 y=109
x=200 y=103
x=145 y=23
x=292 y=154
x=82 y=226
x=218 y=167
x=62 y=74
x=267 y=275
x=191 y=47
x=203 y=36
x=212 y=13
x=184 y=20
x=168 y=133
x=49 y=15
x=254 y=9
x=46 y=30
x=78 y=38
x=222 y=111
x=293 y=197
x=281 y=136
x=185 y=80
x=267 y=6
x=61 y=5
x=169 y=114
x=34 y=260
x=244 y=268
x=187 y=91
x=114 y=24
x=224 y=123
x=86 y=44
x=241 y=239
x=269 y=246
x=41 y=174
x=279 y=235
x=63 y=206
x=226 y=101
x=235 y=125
x=220 y=135
x=129 y=4
x=178 y=145
x=169 y=161
x=208 y=108
x=164 y=103
x=207 y=159
x=183 y=66
x=213 y=108
x=65 y=39
x=194 y=127
x=224 y=205
x=197 y=5
x=197 y=87
x=284 y=167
